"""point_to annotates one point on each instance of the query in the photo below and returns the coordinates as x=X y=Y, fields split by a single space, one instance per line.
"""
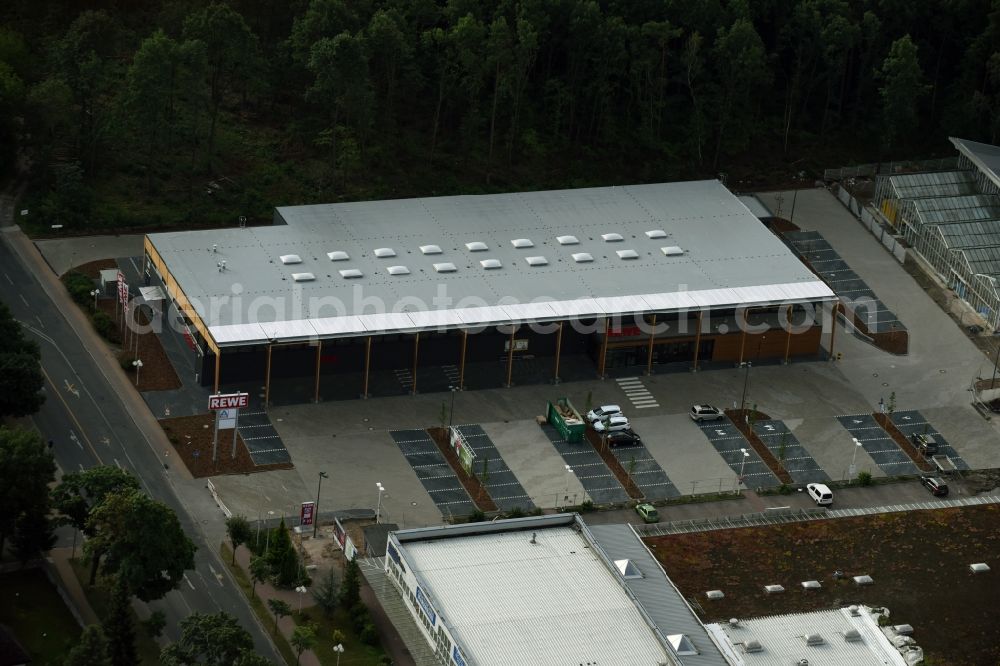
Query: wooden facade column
x=604 y=351
x=368 y=362
x=555 y=375
x=416 y=353
x=510 y=356
x=461 y=361
x=267 y=378
x=319 y=359
x=788 y=331
x=218 y=364
x=649 y=356
x=743 y=332
x=833 y=327
x=697 y=341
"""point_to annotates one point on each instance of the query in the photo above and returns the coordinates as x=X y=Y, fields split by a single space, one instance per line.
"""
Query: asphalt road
x=89 y=425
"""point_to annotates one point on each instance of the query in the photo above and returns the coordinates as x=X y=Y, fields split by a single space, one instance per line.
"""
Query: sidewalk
x=60 y=558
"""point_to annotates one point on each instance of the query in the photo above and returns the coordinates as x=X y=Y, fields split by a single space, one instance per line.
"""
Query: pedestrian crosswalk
x=638 y=395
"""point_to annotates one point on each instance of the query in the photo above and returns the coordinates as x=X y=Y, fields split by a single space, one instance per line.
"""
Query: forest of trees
x=172 y=112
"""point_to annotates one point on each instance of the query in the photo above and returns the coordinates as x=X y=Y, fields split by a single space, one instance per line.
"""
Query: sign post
x=307 y=513
x=227 y=415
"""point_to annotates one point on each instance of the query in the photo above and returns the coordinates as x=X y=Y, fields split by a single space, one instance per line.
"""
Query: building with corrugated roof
x=378 y=297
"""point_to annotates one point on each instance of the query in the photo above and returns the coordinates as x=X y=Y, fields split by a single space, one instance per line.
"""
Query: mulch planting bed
x=157 y=372
x=918 y=559
x=614 y=464
x=905 y=444
x=477 y=491
x=192 y=439
x=739 y=418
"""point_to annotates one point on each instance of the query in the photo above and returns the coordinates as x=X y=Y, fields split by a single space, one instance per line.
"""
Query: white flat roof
x=782 y=639
x=729 y=259
x=511 y=602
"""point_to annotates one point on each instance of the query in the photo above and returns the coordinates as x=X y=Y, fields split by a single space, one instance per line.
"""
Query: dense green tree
x=21 y=379
x=902 y=87
x=119 y=627
x=350 y=589
x=327 y=592
x=279 y=609
x=139 y=540
x=78 y=492
x=208 y=640
x=90 y=650
x=26 y=469
x=740 y=63
x=231 y=51
x=239 y=532
x=282 y=558
x=260 y=570
x=303 y=638
x=33 y=533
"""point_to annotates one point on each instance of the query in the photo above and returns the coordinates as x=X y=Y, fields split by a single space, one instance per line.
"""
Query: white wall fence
x=872 y=219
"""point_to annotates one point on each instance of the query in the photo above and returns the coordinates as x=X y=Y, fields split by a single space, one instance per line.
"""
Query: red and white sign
x=228 y=401
x=306 y=513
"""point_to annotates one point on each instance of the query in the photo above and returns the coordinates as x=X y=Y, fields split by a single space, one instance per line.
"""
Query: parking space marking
x=912 y=422
x=722 y=435
x=881 y=448
x=501 y=483
x=787 y=449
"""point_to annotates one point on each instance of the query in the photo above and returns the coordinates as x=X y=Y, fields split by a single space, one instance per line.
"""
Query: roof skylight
x=430 y=249
x=398 y=270
x=581 y=257
x=446 y=267
x=612 y=237
x=567 y=240
x=490 y=263
x=348 y=273
x=522 y=242
x=338 y=255
x=383 y=252
x=476 y=246
x=291 y=259
x=537 y=261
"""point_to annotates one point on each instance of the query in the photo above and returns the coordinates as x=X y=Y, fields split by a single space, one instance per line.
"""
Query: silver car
x=613 y=424
x=701 y=413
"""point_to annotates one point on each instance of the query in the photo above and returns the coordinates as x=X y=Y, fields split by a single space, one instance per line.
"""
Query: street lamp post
x=95 y=293
x=854 y=456
x=569 y=471
x=137 y=363
x=743 y=463
x=746 y=386
x=319 y=486
x=267 y=539
x=339 y=649
x=301 y=589
x=451 y=412
x=378 y=507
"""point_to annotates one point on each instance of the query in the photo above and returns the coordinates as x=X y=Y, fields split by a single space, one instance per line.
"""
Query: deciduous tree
x=208 y=640
x=239 y=532
x=26 y=469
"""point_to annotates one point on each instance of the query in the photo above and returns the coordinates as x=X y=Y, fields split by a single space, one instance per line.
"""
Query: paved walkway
x=60 y=558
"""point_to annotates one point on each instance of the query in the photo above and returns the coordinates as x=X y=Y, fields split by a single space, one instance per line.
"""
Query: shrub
x=516 y=512
x=587 y=506
x=360 y=616
x=104 y=325
x=338 y=636
x=79 y=287
x=368 y=635
x=785 y=489
x=125 y=361
x=864 y=478
x=477 y=516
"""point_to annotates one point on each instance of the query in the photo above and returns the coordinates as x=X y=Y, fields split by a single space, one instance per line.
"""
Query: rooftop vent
x=814 y=639
x=291 y=259
x=715 y=594
x=774 y=589
x=581 y=257
x=446 y=267
x=628 y=569
x=811 y=584
x=852 y=635
x=490 y=263
x=383 y=252
x=350 y=273
x=567 y=240
x=522 y=242
x=430 y=249
x=864 y=580
x=338 y=255
x=979 y=567
x=537 y=261
x=682 y=645
x=903 y=629
x=627 y=254
x=734 y=622
x=672 y=250
x=476 y=246
x=656 y=233
x=854 y=611
x=610 y=238
x=303 y=277
x=398 y=270
x=753 y=646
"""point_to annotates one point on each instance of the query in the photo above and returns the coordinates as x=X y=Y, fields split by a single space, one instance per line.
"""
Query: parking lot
x=351 y=440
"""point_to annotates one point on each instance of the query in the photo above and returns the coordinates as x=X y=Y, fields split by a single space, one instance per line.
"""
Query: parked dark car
x=924 y=443
x=623 y=438
x=937 y=486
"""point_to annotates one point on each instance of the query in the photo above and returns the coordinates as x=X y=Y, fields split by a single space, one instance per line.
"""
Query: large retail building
x=382 y=297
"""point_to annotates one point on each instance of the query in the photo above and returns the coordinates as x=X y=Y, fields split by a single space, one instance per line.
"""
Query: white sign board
x=227 y=418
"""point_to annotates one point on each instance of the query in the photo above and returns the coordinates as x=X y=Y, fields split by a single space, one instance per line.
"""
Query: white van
x=820 y=493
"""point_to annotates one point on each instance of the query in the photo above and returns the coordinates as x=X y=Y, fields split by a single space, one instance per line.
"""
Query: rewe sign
x=228 y=401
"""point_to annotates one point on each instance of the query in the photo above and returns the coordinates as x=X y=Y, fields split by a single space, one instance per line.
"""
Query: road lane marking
x=118 y=464
x=40 y=323
x=8 y=278
x=73 y=438
x=218 y=576
x=188 y=581
x=71 y=414
x=72 y=388
x=25 y=300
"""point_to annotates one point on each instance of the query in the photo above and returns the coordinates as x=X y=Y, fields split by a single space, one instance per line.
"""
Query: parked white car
x=701 y=413
x=820 y=493
x=603 y=413
x=613 y=424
